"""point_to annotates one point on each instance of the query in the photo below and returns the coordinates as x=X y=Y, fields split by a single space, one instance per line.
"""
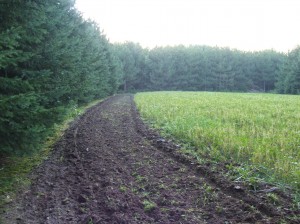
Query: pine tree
x=50 y=59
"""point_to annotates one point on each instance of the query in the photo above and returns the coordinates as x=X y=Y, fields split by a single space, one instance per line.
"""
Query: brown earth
x=110 y=168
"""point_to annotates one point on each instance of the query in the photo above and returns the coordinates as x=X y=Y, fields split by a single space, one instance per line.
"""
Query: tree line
x=204 y=68
x=52 y=60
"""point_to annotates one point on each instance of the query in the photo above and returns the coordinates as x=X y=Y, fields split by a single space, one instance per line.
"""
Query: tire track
x=110 y=168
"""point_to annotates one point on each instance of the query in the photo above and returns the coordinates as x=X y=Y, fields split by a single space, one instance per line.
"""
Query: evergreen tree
x=289 y=74
x=50 y=59
x=197 y=68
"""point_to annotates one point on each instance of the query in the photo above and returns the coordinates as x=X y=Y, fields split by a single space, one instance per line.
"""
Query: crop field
x=258 y=129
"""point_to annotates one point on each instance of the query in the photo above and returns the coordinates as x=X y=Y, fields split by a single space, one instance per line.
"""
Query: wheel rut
x=111 y=168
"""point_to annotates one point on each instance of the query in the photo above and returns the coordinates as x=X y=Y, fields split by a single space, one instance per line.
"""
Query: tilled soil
x=110 y=168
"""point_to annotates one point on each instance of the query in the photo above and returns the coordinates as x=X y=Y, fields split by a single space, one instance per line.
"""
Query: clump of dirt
x=111 y=168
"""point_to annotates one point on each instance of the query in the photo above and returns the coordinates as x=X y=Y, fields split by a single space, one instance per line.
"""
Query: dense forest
x=204 y=68
x=51 y=59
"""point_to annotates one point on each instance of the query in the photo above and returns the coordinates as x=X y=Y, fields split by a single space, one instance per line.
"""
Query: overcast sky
x=242 y=24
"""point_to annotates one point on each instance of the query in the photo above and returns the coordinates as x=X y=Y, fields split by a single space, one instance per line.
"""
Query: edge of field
x=14 y=169
x=254 y=181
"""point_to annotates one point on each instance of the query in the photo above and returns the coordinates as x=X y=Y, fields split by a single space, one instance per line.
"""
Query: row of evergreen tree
x=51 y=59
x=203 y=68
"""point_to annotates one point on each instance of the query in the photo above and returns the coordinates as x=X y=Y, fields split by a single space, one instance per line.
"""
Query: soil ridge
x=109 y=167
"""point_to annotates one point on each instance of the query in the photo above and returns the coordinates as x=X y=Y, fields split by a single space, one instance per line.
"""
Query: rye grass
x=257 y=129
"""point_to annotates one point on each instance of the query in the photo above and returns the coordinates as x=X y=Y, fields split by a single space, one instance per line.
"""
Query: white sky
x=242 y=24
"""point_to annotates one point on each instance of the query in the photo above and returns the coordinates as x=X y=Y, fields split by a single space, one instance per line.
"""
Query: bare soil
x=111 y=168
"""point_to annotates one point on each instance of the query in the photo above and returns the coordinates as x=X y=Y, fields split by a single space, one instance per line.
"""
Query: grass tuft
x=149 y=206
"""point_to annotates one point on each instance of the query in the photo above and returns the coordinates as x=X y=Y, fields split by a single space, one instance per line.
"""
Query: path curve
x=110 y=168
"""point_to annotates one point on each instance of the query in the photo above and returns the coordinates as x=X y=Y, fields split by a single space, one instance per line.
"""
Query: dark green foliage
x=289 y=74
x=23 y=122
x=50 y=59
x=131 y=59
x=197 y=68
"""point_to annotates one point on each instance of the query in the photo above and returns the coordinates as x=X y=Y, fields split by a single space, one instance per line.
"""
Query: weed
x=205 y=200
x=134 y=190
x=82 y=209
x=149 y=206
x=164 y=210
x=40 y=194
x=296 y=198
x=140 y=178
x=123 y=188
x=162 y=186
x=219 y=209
x=182 y=170
x=273 y=198
x=208 y=188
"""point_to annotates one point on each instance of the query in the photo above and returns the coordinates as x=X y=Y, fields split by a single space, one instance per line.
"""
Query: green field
x=258 y=129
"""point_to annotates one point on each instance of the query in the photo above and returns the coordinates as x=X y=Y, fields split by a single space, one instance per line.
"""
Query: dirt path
x=109 y=168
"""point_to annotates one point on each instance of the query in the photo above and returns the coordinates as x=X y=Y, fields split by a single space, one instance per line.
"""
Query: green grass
x=262 y=130
x=149 y=206
x=14 y=170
